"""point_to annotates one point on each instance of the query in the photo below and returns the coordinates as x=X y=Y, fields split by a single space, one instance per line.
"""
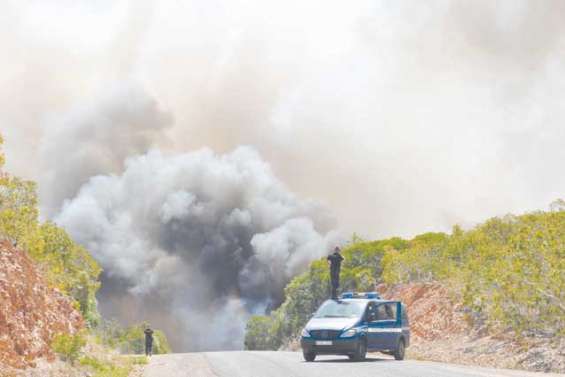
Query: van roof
x=368 y=300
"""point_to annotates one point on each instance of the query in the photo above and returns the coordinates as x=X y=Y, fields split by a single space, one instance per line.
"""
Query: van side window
x=381 y=313
x=386 y=312
x=391 y=311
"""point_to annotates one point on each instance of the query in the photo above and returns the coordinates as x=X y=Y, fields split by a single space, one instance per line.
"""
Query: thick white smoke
x=206 y=238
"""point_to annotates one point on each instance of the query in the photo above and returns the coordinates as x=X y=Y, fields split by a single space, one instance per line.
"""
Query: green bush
x=139 y=360
x=258 y=334
x=108 y=368
x=131 y=339
x=68 y=346
x=510 y=270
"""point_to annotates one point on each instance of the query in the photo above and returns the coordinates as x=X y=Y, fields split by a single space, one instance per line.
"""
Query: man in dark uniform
x=335 y=260
x=148 y=341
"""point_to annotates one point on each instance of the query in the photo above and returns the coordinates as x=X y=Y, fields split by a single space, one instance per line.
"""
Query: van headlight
x=305 y=333
x=349 y=333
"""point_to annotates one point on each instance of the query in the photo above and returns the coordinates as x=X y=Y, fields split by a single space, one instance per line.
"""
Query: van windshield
x=340 y=309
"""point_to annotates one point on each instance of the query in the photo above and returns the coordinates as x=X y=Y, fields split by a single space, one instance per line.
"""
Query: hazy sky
x=400 y=116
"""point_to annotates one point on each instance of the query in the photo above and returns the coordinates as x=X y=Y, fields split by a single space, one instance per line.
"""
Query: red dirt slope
x=31 y=313
x=433 y=315
x=441 y=333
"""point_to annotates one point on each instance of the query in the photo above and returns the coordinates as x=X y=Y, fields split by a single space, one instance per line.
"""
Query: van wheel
x=360 y=353
x=400 y=350
x=309 y=356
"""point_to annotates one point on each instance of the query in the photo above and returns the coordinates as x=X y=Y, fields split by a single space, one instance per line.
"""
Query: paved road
x=291 y=364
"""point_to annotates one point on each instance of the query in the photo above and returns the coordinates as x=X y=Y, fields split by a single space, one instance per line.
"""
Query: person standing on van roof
x=148 y=341
x=335 y=260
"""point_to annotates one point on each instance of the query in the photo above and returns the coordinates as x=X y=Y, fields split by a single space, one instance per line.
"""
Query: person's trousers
x=335 y=284
x=148 y=348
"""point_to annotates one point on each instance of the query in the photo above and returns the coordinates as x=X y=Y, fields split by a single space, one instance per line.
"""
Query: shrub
x=259 y=335
x=131 y=339
x=68 y=346
x=108 y=368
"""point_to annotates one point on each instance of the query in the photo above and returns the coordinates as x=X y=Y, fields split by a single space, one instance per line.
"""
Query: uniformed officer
x=335 y=260
x=148 y=341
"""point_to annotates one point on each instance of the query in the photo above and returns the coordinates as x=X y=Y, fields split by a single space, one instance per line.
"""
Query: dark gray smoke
x=196 y=242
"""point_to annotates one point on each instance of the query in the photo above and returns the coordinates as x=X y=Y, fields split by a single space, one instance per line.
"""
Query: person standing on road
x=335 y=260
x=148 y=341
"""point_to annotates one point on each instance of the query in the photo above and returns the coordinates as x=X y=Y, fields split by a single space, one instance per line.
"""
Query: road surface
x=291 y=364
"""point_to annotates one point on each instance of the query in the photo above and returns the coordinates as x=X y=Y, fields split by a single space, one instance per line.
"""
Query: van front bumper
x=340 y=346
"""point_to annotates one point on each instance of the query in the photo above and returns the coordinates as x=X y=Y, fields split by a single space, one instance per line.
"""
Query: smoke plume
x=201 y=237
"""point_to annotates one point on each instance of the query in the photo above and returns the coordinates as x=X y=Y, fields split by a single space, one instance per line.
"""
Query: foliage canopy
x=508 y=271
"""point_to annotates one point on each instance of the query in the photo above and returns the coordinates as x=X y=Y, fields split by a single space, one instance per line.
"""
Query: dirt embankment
x=440 y=332
x=31 y=313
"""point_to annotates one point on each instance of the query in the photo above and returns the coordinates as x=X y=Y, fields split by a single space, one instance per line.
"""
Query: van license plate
x=324 y=342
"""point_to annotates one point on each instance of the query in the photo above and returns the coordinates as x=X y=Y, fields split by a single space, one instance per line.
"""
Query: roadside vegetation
x=69 y=268
x=130 y=340
x=66 y=265
x=97 y=360
x=508 y=272
x=117 y=366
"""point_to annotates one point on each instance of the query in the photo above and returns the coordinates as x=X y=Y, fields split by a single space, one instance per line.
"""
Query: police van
x=354 y=324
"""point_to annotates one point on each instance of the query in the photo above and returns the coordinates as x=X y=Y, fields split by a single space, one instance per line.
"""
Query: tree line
x=509 y=273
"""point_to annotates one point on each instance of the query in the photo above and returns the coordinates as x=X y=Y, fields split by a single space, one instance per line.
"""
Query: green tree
x=131 y=339
x=71 y=269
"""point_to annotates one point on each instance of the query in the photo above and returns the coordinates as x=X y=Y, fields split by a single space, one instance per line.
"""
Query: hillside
x=442 y=332
x=505 y=276
x=31 y=312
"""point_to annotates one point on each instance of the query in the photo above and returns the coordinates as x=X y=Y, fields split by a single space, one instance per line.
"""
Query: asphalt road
x=291 y=364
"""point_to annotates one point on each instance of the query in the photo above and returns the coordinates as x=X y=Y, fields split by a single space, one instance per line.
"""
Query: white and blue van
x=354 y=324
